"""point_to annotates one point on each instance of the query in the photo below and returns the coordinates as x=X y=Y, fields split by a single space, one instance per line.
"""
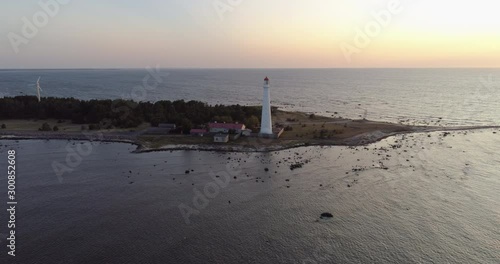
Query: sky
x=249 y=33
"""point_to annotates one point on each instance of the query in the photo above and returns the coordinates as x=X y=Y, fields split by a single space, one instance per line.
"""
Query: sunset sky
x=251 y=34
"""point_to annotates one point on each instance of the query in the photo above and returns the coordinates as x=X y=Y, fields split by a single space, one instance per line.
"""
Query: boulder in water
x=326 y=216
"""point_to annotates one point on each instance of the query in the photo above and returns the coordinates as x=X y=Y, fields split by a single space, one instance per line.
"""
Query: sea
x=454 y=96
x=413 y=198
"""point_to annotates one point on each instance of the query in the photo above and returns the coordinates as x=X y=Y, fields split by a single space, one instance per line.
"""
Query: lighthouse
x=266 y=127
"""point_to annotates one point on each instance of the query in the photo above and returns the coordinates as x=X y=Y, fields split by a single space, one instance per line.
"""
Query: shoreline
x=260 y=145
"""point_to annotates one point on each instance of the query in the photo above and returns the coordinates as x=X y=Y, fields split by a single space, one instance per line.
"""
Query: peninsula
x=23 y=117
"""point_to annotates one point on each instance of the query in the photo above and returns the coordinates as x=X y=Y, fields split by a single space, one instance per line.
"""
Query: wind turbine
x=38 y=88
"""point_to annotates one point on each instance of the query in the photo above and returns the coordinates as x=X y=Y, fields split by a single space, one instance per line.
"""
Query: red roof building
x=225 y=127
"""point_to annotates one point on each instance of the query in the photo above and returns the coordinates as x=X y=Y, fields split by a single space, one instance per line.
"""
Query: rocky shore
x=244 y=145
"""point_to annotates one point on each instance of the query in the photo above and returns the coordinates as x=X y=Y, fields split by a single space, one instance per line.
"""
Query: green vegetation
x=45 y=127
x=119 y=113
x=94 y=127
x=252 y=122
x=158 y=141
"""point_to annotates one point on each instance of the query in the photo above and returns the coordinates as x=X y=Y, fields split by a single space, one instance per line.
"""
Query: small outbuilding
x=167 y=126
x=221 y=138
x=246 y=132
x=277 y=131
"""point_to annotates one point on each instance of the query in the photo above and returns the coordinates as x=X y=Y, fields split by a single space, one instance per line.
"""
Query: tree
x=4 y=126
x=55 y=128
x=94 y=127
x=223 y=119
x=186 y=125
x=125 y=113
x=155 y=121
x=45 y=127
x=252 y=122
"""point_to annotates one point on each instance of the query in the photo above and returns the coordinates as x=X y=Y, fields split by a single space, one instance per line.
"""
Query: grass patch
x=63 y=125
x=159 y=141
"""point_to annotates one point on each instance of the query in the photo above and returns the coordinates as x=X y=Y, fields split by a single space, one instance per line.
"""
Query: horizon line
x=242 y=68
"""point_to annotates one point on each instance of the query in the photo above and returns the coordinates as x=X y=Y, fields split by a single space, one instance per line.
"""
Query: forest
x=120 y=113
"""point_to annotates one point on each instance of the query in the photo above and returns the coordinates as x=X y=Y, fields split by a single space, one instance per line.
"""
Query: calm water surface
x=436 y=202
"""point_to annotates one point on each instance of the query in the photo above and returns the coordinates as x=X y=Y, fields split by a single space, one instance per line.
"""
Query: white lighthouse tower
x=266 y=127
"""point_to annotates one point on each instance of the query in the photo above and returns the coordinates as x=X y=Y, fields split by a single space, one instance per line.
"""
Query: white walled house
x=247 y=132
x=226 y=127
x=221 y=138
